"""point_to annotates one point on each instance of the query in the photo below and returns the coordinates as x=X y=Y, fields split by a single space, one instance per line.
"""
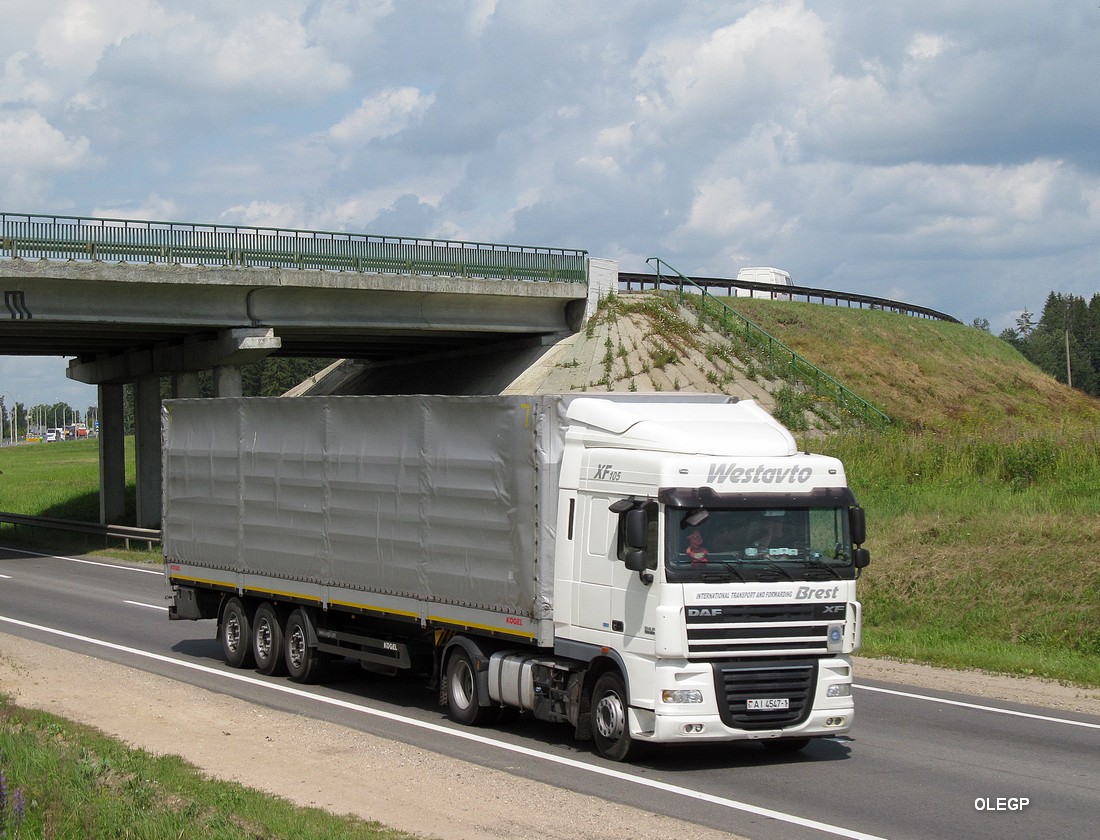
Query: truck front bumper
x=823 y=707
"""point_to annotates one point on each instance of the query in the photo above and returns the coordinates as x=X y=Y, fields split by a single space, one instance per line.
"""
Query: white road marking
x=147 y=606
x=580 y=766
x=965 y=705
x=89 y=562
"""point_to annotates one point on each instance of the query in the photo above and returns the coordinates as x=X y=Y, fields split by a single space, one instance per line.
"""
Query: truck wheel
x=235 y=631
x=304 y=664
x=463 y=701
x=267 y=640
x=610 y=727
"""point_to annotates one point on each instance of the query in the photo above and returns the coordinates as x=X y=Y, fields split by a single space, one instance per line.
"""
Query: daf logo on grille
x=697 y=611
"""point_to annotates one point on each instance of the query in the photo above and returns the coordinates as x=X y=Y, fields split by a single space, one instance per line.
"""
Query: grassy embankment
x=983 y=503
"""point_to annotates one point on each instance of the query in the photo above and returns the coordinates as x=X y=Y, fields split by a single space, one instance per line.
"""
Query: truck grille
x=761 y=629
x=737 y=683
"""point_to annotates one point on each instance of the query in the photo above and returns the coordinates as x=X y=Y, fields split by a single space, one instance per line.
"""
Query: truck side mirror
x=857 y=524
x=861 y=558
x=633 y=537
x=637 y=524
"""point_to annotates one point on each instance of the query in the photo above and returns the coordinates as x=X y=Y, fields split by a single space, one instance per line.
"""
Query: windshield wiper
x=775 y=567
x=730 y=569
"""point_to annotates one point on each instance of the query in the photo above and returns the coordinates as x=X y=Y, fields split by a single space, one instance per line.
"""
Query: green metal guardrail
x=799 y=368
x=124 y=240
x=125 y=533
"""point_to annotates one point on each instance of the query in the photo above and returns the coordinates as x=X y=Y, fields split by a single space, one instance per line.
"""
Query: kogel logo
x=760 y=474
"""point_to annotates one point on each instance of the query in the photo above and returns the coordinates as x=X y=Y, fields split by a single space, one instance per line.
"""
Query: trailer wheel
x=235 y=631
x=463 y=702
x=610 y=726
x=267 y=640
x=304 y=664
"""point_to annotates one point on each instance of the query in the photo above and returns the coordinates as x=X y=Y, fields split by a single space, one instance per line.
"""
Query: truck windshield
x=758 y=545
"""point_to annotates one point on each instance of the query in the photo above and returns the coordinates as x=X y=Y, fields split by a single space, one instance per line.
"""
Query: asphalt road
x=920 y=764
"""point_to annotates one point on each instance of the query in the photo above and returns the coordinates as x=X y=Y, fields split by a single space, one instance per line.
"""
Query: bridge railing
x=797 y=368
x=183 y=243
x=628 y=281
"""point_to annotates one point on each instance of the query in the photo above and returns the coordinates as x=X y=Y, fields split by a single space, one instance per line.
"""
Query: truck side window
x=600 y=527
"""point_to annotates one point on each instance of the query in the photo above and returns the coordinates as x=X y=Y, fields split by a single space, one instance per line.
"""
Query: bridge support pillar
x=112 y=456
x=147 y=449
x=185 y=385
x=228 y=382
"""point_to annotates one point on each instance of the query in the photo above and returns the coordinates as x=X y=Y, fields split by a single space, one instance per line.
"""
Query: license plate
x=769 y=704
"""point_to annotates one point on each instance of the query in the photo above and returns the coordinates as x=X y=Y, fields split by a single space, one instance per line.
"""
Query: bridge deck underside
x=87 y=310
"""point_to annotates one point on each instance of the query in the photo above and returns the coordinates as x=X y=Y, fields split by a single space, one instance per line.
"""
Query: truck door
x=633 y=600
x=594 y=567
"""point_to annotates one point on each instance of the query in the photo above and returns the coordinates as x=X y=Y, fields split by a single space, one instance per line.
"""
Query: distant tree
x=981 y=324
x=1066 y=340
x=1012 y=337
x=1025 y=324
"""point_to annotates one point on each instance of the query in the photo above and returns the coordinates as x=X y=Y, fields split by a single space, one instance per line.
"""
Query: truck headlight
x=839 y=690
x=682 y=695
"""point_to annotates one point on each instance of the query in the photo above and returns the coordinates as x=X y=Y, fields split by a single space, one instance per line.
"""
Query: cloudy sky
x=943 y=153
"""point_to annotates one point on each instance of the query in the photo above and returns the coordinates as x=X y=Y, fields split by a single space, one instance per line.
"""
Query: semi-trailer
x=657 y=569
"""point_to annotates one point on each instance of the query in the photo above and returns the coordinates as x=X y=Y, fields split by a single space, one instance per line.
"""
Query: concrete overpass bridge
x=132 y=302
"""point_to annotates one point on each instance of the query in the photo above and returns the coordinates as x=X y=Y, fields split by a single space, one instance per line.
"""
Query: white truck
x=660 y=569
x=764 y=274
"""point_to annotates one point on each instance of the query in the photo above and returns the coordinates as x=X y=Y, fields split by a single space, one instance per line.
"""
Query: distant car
x=34 y=436
x=54 y=435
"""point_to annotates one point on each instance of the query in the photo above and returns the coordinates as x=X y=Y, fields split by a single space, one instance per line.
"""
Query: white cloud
x=272 y=53
x=264 y=214
x=29 y=144
x=925 y=46
x=726 y=79
x=74 y=36
x=725 y=207
x=381 y=115
x=152 y=207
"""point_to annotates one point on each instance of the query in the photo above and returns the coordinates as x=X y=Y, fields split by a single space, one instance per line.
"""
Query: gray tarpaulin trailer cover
x=447 y=500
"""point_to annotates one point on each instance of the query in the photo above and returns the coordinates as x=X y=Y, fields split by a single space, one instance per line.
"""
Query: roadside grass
x=55 y=479
x=984 y=550
x=61 y=480
x=63 y=780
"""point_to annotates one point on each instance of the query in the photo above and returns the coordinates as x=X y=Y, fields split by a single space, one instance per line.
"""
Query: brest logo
x=760 y=474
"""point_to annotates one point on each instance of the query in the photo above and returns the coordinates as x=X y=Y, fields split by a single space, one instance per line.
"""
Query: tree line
x=1064 y=341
